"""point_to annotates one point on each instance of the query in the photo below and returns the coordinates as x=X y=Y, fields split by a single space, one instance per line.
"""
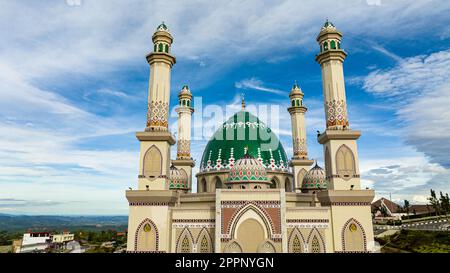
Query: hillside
x=21 y=223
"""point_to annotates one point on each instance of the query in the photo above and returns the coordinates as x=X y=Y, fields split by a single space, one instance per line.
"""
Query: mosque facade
x=251 y=198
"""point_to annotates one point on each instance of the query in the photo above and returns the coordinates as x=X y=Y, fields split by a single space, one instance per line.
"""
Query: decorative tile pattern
x=336 y=113
x=158 y=115
x=183 y=149
x=300 y=148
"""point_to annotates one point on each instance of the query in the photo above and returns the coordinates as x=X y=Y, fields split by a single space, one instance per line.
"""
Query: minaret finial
x=243 y=101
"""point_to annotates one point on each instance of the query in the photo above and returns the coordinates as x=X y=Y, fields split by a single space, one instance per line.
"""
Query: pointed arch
x=218 y=183
x=146 y=238
x=152 y=164
x=316 y=244
x=345 y=162
x=328 y=168
x=353 y=237
x=185 y=242
x=267 y=247
x=161 y=47
x=275 y=183
x=325 y=46
x=300 y=176
x=233 y=247
x=333 y=44
x=296 y=242
x=167 y=48
x=288 y=185
x=204 y=242
x=250 y=226
x=203 y=187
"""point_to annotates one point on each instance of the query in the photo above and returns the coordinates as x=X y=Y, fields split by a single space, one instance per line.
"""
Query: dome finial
x=243 y=101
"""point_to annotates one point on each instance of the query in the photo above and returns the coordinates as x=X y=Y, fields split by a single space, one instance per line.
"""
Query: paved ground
x=432 y=225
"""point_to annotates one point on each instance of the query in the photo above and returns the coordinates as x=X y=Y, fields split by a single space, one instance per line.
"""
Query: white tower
x=300 y=162
x=156 y=140
x=184 y=161
x=350 y=206
x=340 y=149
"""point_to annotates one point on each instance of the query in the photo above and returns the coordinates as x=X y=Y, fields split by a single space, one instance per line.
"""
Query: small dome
x=185 y=90
x=315 y=179
x=247 y=170
x=178 y=180
x=296 y=89
x=162 y=27
x=328 y=25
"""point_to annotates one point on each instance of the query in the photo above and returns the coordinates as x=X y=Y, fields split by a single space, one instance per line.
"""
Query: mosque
x=250 y=197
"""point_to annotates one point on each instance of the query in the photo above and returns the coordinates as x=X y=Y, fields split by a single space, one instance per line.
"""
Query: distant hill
x=21 y=223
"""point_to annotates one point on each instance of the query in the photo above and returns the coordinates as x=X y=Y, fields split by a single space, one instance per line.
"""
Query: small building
x=34 y=242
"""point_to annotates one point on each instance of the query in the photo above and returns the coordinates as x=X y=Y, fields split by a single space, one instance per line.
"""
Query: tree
x=434 y=202
x=406 y=207
x=444 y=203
x=383 y=211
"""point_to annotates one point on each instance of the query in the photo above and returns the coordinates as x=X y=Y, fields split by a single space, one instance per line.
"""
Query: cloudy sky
x=74 y=83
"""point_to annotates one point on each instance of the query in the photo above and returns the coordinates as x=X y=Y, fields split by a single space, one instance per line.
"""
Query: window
x=243 y=187
x=339 y=45
x=189 y=103
x=152 y=163
x=218 y=183
x=315 y=246
x=155 y=48
x=296 y=245
x=325 y=46
x=167 y=48
x=297 y=102
x=293 y=103
x=345 y=163
x=161 y=47
x=333 y=44
x=204 y=246
x=185 y=245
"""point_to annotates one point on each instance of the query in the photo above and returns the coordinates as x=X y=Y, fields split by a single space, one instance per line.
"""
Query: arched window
x=328 y=170
x=203 y=185
x=293 y=103
x=167 y=48
x=185 y=245
x=257 y=187
x=233 y=247
x=333 y=44
x=243 y=187
x=325 y=46
x=354 y=236
x=345 y=162
x=297 y=102
x=339 y=45
x=204 y=247
x=146 y=237
x=287 y=185
x=218 y=183
x=267 y=247
x=296 y=245
x=155 y=48
x=315 y=245
x=188 y=103
x=152 y=163
x=204 y=242
x=161 y=47
x=273 y=184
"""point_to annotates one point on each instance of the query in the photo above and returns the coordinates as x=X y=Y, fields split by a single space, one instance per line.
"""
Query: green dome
x=243 y=133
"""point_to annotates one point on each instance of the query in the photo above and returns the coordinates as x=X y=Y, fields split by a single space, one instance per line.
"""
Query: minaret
x=349 y=205
x=149 y=203
x=184 y=161
x=161 y=62
x=300 y=161
x=156 y=140
x=340 y=149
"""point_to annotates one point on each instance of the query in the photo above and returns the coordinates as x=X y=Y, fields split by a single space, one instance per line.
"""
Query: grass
x=418 y=241
x=5 y=249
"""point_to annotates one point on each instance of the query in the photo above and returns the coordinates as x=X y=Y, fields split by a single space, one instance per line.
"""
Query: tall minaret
x=161 y=62
x=184 y=161
x=340 y=149
x=300 y=161
x=156 y=140
x=149 y=203
x=350 y=206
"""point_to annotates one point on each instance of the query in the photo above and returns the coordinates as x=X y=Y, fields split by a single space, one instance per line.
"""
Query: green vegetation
x=416 y=241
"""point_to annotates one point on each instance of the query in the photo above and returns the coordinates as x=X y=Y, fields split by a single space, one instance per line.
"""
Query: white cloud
x=256 y=84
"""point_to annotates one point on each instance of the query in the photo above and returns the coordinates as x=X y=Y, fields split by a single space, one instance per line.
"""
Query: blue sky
x=74 y=83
